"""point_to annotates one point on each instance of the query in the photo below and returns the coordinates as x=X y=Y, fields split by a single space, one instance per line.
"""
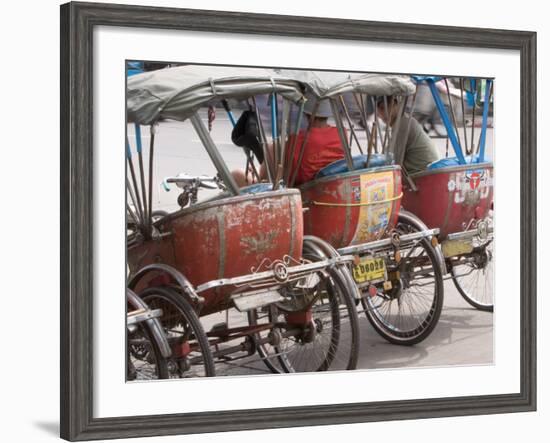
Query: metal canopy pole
x=463 y=116
x=482 y=136
x=455 y=126
x=279 y=167
x=249 y=156
x=396 y=129
x=275 y=137
x=132 y=215
x=284 y=129
x=304 y=143
x=141 y=172
x=343 y=138
x=473 y=87
x=263 y=140
x=445 y=117
x=134 y=201
x=230 y=115
x=361 y=106
x=134 y=181
x=151 y=152
x=353 y=135
x=294 y=142
x=374 y=101
x=214 y=154
x=388 y=124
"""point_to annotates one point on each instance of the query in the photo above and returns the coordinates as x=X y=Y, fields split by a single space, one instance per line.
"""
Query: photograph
x=302 y=213
x=283 y=220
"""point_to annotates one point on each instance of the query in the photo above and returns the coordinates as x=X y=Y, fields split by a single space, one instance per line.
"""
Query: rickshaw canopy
x=331 y=84
x=177 y=93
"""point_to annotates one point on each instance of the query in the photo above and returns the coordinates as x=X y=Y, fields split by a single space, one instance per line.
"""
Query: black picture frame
x=77 y=218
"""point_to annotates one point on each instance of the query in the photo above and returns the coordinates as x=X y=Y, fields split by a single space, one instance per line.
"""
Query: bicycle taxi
x=455 y=194
x=242 y=250
x=353 y=204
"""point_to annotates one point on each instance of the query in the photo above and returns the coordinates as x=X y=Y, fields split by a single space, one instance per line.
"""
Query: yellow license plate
x=452 y=248
x=369 y=269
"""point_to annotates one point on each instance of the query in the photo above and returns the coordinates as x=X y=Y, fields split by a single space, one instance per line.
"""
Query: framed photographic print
x=272 y=221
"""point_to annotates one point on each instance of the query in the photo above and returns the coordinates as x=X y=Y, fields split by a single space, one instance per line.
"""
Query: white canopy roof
x=176 y=93
x=325 y=84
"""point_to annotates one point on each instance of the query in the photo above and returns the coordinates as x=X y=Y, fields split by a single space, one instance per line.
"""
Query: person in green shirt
x=420 y=150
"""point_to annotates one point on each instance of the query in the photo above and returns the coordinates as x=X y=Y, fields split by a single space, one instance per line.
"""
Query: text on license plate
x=369 y=269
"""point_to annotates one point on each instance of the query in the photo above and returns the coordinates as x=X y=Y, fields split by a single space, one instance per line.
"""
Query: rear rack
x=280 y=272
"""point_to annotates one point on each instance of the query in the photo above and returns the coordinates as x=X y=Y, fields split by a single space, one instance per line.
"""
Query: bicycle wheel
x=474 y=278
x=320 y=326
x=267 y=341
x=407 y=313
x=144 y=356
x=191 y=354
x=145 y=361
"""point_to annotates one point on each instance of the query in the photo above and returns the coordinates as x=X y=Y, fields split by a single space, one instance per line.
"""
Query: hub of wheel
x=184 y=365
x=310 y=332
x=275 y=337
x=397 y=288
x=481 y=260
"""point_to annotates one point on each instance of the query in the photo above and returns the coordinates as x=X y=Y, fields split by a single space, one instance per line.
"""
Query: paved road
x=464 y=336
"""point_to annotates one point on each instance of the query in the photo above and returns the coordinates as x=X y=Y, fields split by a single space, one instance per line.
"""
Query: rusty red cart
x=354 y=205
x=242 y=249
x=455 y=194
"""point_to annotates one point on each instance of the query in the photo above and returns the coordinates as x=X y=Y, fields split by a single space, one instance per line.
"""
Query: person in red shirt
x=323 y=146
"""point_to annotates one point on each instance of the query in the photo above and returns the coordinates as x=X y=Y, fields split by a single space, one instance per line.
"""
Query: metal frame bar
x=385 y=242
x=214 y=154
x=268 y=277
x=467 y=235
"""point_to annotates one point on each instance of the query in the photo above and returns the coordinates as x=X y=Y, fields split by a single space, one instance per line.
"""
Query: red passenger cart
x=455 y=194
x=242 y=249
x=354 y=205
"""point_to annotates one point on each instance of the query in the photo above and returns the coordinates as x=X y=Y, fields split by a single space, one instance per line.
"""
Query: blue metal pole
x=473 y=87
x=128 y=151
x=229 y=113
x=138 y=137
x=481 y=157
x=231 y=118
x=273 y=117
x=446 y=121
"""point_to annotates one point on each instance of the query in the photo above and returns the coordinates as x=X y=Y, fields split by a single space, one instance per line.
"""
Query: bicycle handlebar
x=183 y=180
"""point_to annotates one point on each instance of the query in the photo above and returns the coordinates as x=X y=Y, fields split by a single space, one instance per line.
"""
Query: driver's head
x=387 y=108
x=322 y=111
